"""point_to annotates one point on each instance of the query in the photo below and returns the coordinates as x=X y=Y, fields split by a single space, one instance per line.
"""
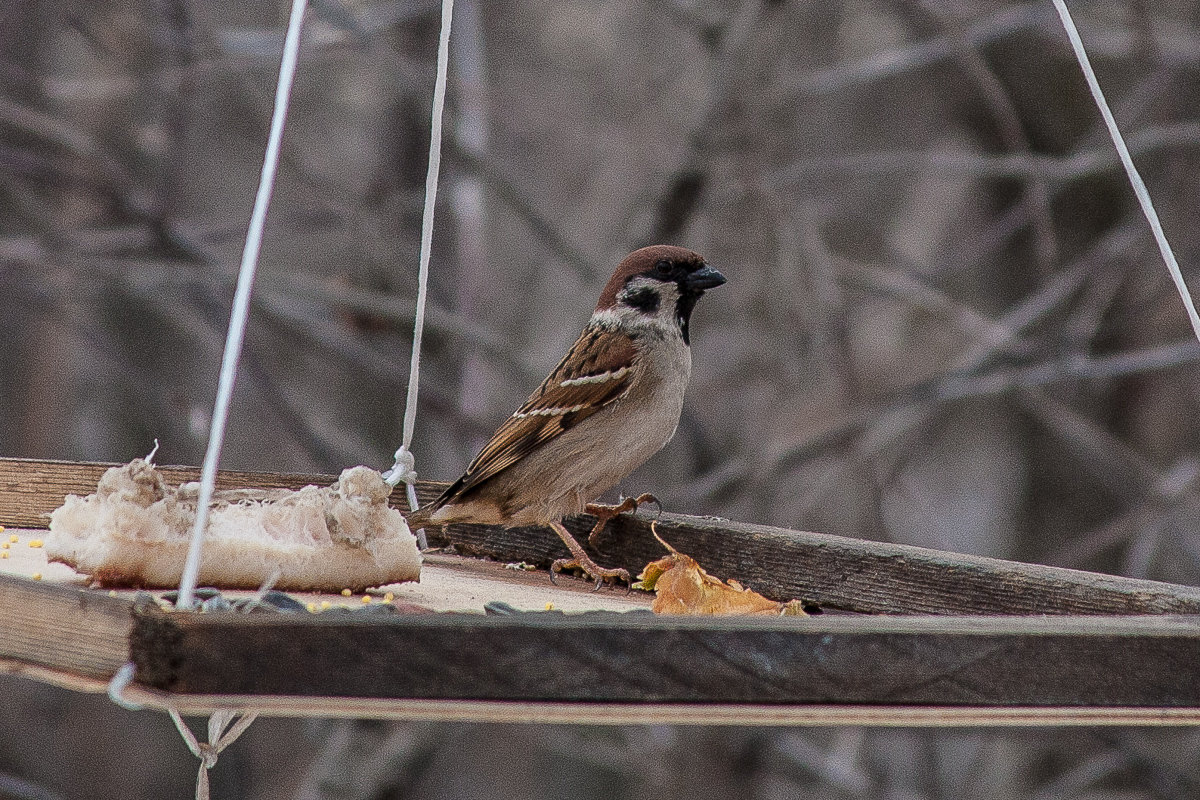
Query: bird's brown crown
x=641 y=262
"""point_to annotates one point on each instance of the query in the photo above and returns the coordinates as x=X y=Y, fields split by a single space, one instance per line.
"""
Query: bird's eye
x=662 y=267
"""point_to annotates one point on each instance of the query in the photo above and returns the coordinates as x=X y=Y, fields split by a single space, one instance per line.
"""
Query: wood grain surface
x=928 y=670
x=640 y=658
x=85 y=633
x=832 y=572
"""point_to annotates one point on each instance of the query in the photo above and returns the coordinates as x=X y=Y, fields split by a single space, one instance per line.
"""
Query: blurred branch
x=1178 y=48
x=685 y=185
x=1152 y=765
x=1024 y=166
x=882 y=422
x=1090 y=770
x=1069 y=367
x=485 y=169
x=839 y=767
x=288 y=287
x=14 y=788
x=358 y=358
x=1008 y=125
x=334 y=24
x=368 y=760
x=399 y=310
x=90 y=161
x=887 y=64
x=916 y=293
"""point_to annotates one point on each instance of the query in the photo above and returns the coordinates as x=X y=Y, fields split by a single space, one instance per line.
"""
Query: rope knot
x=207 y=754
x=404 y=470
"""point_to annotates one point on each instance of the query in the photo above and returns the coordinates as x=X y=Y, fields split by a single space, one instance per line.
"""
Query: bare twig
x=1008 y=124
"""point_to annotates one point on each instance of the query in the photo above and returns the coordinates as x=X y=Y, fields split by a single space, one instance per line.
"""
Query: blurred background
x=946 y=323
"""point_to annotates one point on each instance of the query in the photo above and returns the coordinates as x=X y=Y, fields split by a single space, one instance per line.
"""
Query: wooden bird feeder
x=909 y=636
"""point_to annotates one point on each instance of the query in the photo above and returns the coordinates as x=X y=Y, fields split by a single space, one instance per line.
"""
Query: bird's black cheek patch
x=645 y=300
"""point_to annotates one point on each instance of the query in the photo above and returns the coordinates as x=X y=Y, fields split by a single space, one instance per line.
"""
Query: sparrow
x=612 y=402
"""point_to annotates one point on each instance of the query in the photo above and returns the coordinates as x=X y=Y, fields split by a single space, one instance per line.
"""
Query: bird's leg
x=604 y=513
x=582 y=560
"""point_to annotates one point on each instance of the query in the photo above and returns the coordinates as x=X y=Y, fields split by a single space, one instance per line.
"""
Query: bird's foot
x=593 y=570
x=581 y=560
x=603 y=513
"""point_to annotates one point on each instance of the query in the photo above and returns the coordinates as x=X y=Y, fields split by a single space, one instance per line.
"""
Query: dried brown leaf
x=681 y=586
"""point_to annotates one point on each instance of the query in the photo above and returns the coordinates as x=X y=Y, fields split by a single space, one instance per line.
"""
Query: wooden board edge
x=63 y=628
x=54 y=677
x=152 y=620
x=580 y=713
x=477 y=711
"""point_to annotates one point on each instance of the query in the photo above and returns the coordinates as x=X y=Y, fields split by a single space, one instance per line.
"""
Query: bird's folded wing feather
x=595 y=372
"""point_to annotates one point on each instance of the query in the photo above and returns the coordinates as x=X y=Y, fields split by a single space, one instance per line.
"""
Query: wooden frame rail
x=984 y=642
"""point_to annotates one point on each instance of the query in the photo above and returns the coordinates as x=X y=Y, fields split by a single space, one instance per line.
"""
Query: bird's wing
x=596 y=371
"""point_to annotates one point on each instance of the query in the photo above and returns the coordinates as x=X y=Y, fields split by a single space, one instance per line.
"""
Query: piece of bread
x=134 y=531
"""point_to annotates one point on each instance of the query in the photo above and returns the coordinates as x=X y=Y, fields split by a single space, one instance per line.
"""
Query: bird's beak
x=704 y=278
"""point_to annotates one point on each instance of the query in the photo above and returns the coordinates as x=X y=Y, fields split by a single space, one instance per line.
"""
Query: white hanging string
x=404 y=470
x=218 y=736
x=1139 y=186
x=241 y=304
x=218 y=739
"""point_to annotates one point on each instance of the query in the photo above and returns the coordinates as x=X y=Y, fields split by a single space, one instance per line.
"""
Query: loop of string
x=404 y=469
x=119 y=683
x=221 y=733
x=218 y=739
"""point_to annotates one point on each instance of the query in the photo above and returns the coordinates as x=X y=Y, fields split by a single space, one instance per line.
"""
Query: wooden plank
x=617 y=668
x=63 y=628
x=840 y=573
x=831 y=571
x=640 y=658
x=448 y=583
x=31 y=488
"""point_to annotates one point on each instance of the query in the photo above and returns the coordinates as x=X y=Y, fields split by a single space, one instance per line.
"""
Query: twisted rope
x=404 y=469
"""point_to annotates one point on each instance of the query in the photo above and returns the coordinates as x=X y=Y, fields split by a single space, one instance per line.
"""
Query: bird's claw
x=592 y=570
x=603 y=513
x=646 y=497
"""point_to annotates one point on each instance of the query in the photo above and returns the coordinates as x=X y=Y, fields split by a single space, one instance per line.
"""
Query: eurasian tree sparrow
x=611 y=403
